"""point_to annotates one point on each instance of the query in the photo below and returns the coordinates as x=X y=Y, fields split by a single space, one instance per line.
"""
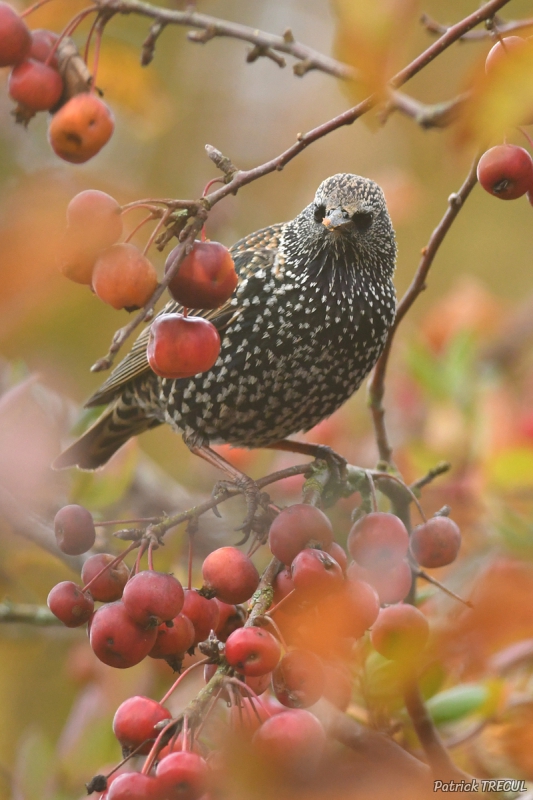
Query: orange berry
x=80 y=128
x=123 y=277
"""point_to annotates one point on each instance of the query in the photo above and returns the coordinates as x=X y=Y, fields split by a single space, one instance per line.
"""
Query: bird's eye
x=362 y=220
x=320 y=213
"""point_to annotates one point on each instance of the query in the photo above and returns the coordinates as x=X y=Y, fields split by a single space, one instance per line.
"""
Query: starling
x=305 y=325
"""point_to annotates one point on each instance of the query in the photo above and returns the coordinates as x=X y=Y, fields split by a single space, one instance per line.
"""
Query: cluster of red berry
x=506 y=170
x=122 y=276
x=320 y=606
x=81 y=124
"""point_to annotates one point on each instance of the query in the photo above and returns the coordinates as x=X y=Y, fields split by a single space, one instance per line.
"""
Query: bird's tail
x=117 y=424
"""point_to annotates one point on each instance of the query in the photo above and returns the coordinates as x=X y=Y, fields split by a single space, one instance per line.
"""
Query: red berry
x=97 y=214
x=506 y=171
x=500 y=51
x=436 y=542
x=203 y=614
x=206 y=277
x=15 y=37
x=400 y=632
x=298 y=681
x=134 y=786
x=339 y=554
x=74 y=530
x=182 y=776
x=258 y=684
x=296 y=527
x=116 y=639
x=392 y=585
x=316 y=572
x=42 y=42
x=70 y=604
x=378 y=541
x=173 y=642
x=351 y=611
x=110 y=584
x=282 y=584
x=134 y=722
x=252 y=651
x=123 y=277
x=180 y=347
x=151 y=598
x=292 y=741
x=230 y=618
x=230 y=574
x=35 y=85
x=80 y=128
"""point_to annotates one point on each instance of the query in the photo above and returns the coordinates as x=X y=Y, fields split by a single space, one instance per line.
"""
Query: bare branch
x=376 y=384
x=40 y=616
x=476 y=36
x=438 y=115
x=264 y=44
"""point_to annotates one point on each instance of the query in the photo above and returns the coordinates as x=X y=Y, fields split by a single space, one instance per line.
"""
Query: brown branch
x=264 y=44
x=476 y=36
x=40 y=616
x=376 y=384
x=439 y=760
x=437 y=115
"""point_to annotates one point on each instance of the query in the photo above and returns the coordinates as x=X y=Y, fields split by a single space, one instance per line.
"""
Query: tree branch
x=40 y=616
x=264 y=44
x=476 y=36
x=376 y=384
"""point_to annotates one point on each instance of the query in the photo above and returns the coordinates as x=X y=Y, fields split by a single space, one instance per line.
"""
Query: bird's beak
x=337 y=220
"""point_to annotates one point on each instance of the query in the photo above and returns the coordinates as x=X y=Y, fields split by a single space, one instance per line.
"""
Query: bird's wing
x=250 y=254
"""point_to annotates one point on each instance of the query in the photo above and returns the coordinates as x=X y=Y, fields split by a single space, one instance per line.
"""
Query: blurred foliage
x=451 y=394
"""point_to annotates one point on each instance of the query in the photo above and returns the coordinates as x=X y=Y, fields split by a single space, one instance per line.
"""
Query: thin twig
x=376 y=384
x=433 y=26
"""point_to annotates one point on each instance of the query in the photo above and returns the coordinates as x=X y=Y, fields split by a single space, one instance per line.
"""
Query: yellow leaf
x=512 y=468
x=501 y=100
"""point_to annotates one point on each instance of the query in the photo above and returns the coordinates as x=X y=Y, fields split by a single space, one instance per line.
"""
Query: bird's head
x=347 y=222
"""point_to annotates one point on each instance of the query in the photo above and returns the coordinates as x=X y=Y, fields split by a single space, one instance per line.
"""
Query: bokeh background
x=455 y=392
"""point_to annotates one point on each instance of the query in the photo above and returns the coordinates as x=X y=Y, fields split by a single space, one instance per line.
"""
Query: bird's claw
x=252 y=496
x=337 y=467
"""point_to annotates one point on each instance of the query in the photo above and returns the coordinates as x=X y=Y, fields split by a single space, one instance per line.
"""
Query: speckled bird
x=305 y=325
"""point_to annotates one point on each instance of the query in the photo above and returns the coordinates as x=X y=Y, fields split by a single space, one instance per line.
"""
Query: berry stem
x=430 y=579
x=88 y=42
x=69 y=29
x=185 y=734
x=208 y=711
x=98 y=26
x=34 y=7
x=373 y=494
x=151 y=556
x=111 y=564
x=271 y=622
x=273 y=609
x=156 y=747
x=140 y=554
x=526 y=134
x=130 y=235
x=156 y=230
x=183 y=674
x=241 y=685
x=110 y=522
x=404 y=486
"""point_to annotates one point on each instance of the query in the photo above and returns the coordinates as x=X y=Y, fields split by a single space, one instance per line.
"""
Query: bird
x=308 y=320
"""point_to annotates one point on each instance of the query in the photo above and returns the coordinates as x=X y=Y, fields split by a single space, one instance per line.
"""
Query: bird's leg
x=336 y=463
x=236 y=479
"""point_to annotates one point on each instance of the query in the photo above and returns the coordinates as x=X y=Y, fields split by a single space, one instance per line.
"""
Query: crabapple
x=295 y=527
x=151 y=598
x=506 y=171
x=400 y=632
x=378 y=541
x=392 y=585
x=98 y=215
x=42 y=43
x=206 y=277
x=35 y=85
x=116 y=639
x=123 y=277
x=180 y=347
x=203 y=613
x=230 y=574
x=80 y=128
x=110 y=584
x=74 y=530
x=69 y=603
x=436 y=542
x=500 y=51
x=182 y=776
x=293 y=741
x=134 y=722
x=298 y=680
x=15 y=37
x=173 y=642
x=252 y=651
x=315 y=571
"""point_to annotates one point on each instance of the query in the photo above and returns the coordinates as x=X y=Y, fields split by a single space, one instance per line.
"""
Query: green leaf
x=458 y=702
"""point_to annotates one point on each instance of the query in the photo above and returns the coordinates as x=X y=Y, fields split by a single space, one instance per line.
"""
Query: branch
x=438 y=115
x=24 y=612
x=476 y=36
x=439 y=760
x=376 y=384
x=264 y=44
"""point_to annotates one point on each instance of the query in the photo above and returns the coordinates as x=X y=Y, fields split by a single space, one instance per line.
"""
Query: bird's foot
x=252 y=496
x=337 y=468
